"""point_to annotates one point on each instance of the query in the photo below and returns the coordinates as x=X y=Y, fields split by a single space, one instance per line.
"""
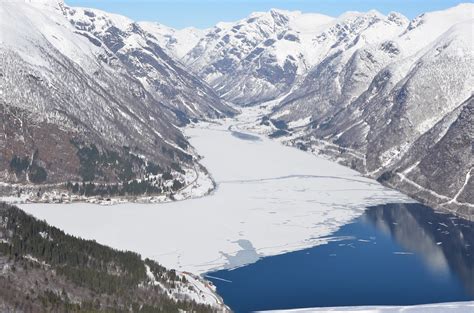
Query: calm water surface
x=397 y=254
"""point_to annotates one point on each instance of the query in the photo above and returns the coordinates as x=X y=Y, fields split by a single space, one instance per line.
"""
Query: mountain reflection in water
x=445 y=242
x=394 y=254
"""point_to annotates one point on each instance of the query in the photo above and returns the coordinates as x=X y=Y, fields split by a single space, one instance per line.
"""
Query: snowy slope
x=176 y=42
x=427 y=27
x=63 y=91
x=352 y=50
x=458 y=307
x=257 y=58
x=390 y=93
x=142 y=54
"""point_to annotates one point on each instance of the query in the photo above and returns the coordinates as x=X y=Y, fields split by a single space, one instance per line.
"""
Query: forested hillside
x=45 y=270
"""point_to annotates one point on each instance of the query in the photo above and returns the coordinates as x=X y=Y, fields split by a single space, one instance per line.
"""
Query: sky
x=207 y=13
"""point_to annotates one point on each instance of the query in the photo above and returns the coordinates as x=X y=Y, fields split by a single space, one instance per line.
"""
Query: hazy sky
x=206 y=13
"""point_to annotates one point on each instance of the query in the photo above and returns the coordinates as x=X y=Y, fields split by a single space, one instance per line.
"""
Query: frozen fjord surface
x=270 y=199
x=458 y=307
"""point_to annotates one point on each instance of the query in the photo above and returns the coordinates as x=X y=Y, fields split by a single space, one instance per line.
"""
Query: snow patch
x=455 y=307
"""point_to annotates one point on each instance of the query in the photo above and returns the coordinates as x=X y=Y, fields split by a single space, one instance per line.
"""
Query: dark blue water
x=400 y=254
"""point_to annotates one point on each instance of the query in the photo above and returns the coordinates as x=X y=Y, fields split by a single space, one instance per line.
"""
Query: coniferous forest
x=45 y=270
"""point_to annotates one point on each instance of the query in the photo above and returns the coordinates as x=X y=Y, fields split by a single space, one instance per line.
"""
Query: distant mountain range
x=387 y=96
x=82 y=90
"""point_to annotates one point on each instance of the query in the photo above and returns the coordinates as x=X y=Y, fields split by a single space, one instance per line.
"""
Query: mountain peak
x=398 y=18
x=276 y=12
x=353 y=15
x=278 y=15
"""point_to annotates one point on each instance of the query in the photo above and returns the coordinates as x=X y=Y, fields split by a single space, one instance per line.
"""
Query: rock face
x=91 y=97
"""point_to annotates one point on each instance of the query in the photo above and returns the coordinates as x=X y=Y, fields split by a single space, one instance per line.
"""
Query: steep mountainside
x=76 y=106
x=258 y=58
x=426 y=170
x=175 y=42
x=140 y=52
x=353 y=49
x=376 y=109
x=45 y=270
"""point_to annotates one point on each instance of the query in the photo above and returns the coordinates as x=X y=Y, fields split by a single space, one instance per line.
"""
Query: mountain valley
x=207 y=150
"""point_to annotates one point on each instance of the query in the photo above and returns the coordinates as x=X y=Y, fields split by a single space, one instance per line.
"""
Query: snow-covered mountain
x=141 y=53
x=377 y=92
x=257 y=58
x=352 y=50
x=175 y=42
x=89 y=96
x=397 y=106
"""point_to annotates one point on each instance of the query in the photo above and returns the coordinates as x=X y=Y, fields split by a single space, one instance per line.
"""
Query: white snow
x=466 y=181
x=458 y=307
x=103 y=20
x=427 y=27
x=195 y=289
x=177 y=42
x=202 y=292
x=247 y=34
x=301 y=122
x=39 y=28
x=269 y=199
x=437 y=195
x=14 y=199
